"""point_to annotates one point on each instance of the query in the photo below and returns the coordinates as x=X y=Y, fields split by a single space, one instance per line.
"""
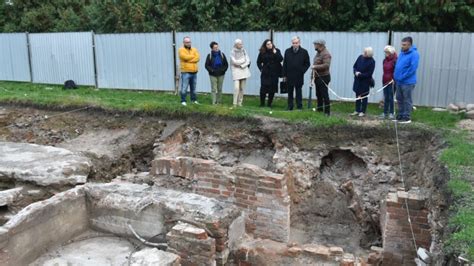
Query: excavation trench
x=315 y=187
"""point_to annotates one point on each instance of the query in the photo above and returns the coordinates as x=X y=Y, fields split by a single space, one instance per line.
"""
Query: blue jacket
x=405 y=68
x=366 y=66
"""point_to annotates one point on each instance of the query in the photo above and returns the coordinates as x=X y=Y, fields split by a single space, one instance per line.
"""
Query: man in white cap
x=321 y=75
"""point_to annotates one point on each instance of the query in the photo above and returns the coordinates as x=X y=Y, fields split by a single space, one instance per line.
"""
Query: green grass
x=458 y=156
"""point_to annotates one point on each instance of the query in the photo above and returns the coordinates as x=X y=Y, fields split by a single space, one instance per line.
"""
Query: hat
x=320 y=41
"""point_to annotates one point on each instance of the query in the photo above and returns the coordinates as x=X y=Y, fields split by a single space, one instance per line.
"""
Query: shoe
x=184 y=103
x=361 y=114
x=195 y=102
x=390 y=116
x=404 y=121
x=384 y=116
x=354 y=114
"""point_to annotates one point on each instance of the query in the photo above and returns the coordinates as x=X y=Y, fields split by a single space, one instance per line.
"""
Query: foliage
x=112 y=16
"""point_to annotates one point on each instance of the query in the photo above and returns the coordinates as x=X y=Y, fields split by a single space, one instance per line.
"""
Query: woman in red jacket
x=388 y=92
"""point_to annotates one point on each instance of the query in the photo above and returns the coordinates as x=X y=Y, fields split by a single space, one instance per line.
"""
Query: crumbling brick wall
x=397 y=237
x=262 y=195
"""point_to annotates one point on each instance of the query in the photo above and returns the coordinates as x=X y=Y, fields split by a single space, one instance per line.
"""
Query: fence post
x=95 y=60
x=176 y=79
x=271 y=35
x=28 y=46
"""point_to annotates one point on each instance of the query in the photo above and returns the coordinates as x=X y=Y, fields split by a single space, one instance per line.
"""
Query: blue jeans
x=188 y=79
x=405 y=102
x=388 y=99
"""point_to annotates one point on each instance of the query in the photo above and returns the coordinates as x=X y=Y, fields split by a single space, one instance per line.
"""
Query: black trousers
x=322 y=93
x=263 y=95
x=299 y=96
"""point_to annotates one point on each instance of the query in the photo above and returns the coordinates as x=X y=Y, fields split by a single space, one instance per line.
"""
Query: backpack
x=69 y=85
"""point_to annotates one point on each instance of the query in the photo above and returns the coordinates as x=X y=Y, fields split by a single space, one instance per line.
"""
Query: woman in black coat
x=269 y=62
x=363 y=81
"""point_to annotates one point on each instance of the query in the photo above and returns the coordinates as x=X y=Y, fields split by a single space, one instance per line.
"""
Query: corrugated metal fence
x=135 y=61
x=149 y=60
x=446 y=69
x=57 y=57
x=14 y=64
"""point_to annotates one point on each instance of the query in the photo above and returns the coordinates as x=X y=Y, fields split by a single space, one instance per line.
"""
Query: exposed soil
x=326 y=207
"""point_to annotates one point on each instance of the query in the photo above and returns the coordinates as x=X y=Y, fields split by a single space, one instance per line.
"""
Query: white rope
x=371 y=92
x=403 y=184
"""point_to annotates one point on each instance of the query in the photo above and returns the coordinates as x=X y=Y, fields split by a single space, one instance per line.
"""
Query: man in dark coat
x=295 y=64
x=269 y=62
x=216 y=65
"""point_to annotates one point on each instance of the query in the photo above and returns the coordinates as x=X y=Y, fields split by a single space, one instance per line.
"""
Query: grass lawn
x=458 y=156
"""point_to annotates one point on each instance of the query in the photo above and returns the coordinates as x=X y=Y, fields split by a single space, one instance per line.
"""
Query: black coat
x=270 y=67
x=363 y=82
x=216 y=72
x=295 y=65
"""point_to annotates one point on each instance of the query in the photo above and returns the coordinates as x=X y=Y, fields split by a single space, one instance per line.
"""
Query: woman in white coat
x=240 y=62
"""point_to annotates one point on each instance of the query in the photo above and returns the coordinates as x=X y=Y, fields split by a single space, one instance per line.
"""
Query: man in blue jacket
x=405 y=79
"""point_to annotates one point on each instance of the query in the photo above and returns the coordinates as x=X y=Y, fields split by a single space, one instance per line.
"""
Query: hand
x=274 y=50
x=357 y=73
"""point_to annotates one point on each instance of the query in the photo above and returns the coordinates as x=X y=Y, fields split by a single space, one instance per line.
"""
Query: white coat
x=240 y=62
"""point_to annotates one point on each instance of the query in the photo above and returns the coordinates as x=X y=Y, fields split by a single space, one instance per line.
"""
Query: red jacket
x=389 y=68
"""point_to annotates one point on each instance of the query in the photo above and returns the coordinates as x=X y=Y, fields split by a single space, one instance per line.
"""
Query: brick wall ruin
x=397 y=237
x=262 y=195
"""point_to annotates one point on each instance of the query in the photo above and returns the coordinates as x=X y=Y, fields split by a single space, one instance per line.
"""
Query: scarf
x=238 y=53
x=217 y=62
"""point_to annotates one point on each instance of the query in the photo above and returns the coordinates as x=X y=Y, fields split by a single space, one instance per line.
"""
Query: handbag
x=283 y=87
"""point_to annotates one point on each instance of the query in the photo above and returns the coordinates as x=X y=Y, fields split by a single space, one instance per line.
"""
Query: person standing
x=388 y=68
x=188 y=60
x=405 y=79
x=363 y=69
x=295 y=64
x=322 y=76
x=269 y=62
x=240 y=62
x=216 y=65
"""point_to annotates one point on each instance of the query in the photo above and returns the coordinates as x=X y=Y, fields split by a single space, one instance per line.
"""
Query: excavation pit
x=301 y=194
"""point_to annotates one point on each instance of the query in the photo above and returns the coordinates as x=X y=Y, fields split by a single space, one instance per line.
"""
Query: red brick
x=241 y=205
x=265 y=191
x=210 y=190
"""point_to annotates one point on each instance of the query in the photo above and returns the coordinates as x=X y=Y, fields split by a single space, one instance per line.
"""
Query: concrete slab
x=94 y=251
x=42 y=165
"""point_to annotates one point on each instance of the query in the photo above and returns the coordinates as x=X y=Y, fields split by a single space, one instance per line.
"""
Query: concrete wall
x=43 y=225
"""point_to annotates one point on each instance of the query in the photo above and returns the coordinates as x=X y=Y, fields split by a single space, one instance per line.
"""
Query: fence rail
x=149 y=61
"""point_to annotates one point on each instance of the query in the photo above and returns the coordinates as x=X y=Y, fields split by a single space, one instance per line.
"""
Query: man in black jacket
x=216 y=65
x=295 y=64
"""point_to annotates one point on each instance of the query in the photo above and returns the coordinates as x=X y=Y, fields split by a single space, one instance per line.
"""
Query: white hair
x=237 y=41
x=389 y=49
x=369 y=51
x=295 y=38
